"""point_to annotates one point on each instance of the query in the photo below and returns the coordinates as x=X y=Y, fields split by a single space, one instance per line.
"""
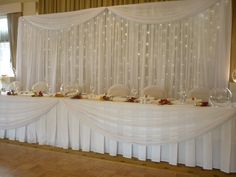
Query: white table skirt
x=59 y=127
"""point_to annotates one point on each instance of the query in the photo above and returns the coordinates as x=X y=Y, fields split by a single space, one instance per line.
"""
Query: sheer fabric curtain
x=5 y=63
x=178 y=45
x=3 y=46
x=12 y=19
x=3 y=31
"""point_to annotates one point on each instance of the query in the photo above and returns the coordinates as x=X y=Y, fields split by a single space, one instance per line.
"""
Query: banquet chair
x=15 y=85
x=199 y=93
x=118 y=90
x=154 y=91
x=40 y=86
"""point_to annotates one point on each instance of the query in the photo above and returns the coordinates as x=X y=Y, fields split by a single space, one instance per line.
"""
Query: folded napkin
x=84 y=96
x=192 y=100
x=94 y=97
x=26 y=93
x=119 y=99
x=71 y=93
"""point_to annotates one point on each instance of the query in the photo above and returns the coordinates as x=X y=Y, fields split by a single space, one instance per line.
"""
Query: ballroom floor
x=27 y=160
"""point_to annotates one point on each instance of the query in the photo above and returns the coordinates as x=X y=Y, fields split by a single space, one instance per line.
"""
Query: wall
x=28 y=7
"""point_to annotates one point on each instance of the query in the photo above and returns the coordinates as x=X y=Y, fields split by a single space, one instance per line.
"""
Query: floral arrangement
x=164 y=101
x=11 y=92
x=38 y=94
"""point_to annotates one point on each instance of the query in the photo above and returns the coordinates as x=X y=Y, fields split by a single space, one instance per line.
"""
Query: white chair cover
x=40 y=86
x=200 y=93
x=154 y=91
x=118 y=90
x=15 y=85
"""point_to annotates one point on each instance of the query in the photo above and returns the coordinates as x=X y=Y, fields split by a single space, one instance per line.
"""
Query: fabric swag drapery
x=176 y=45
x=125 y=122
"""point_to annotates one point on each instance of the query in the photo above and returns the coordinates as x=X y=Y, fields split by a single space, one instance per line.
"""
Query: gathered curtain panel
x=12 y=19
x=177 y=45
x=55 y=6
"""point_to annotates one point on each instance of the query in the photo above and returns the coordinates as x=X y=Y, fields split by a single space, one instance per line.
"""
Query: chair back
x=40 y=86
x=15 y=85
x=200 y=93
x=154 y=91
x=118 y=90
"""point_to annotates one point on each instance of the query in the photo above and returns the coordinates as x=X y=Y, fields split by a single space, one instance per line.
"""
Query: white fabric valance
x=125 y=122
x=162 y=12
x=149 y=13
x=176 y=45
x=63 y=20
x=22 y=111
x=148 y=124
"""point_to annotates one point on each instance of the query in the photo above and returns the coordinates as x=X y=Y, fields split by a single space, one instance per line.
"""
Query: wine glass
x=134 y=92
x=183 y=96
x=50 y=90
x=62 y=88
x=77 y=88
x=92 y=89
x=16 y=87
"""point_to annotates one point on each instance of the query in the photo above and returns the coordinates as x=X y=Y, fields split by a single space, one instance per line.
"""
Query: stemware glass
x=77 y=88
x=183 y=96
x=16 y=87
x=134 y=92
x=92 y=89
x=92 y=92
x=50 y=92
x=62 y=88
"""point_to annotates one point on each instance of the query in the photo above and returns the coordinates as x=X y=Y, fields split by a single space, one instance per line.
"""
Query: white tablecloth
x=194 y=136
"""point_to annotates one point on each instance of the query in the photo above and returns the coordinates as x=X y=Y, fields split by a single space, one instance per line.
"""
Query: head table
x=178 y=133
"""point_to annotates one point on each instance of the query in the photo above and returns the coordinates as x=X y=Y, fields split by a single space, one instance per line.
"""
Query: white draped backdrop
x=176 y=45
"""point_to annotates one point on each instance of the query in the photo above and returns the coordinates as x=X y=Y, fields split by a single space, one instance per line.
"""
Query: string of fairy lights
x=109 y=49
